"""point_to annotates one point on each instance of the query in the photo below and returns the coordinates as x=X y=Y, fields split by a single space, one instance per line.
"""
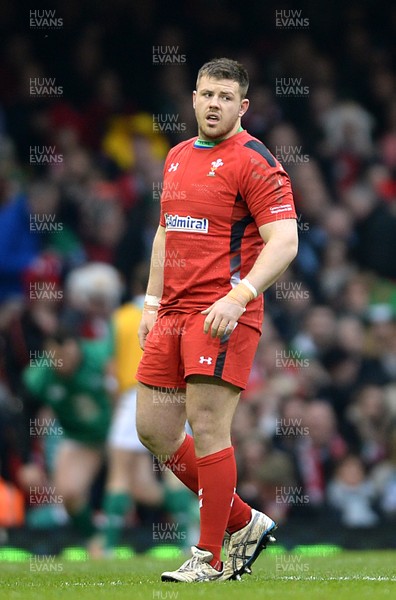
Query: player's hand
x=149 y=317
x=222 y=317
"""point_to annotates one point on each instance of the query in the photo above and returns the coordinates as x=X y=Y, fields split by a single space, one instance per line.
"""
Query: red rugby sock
x=184 y=465
x=217 y=481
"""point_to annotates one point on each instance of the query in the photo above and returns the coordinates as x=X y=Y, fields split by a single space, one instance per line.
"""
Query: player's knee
x=146 y=436
x=203 y=427
x=72 y=498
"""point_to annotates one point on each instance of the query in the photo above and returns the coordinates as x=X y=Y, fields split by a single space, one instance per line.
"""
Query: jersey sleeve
x=162 y=216
x=166 y=167
x=265 y=186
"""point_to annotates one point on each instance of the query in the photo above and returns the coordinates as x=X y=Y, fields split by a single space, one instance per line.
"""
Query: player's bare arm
x=154 y=287
x=281 y=244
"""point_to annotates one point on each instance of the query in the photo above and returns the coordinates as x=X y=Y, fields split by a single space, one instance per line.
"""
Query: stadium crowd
x=80 y=182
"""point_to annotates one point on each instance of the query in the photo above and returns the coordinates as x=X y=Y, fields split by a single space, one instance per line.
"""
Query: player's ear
x=244 y=106
x=194 y=95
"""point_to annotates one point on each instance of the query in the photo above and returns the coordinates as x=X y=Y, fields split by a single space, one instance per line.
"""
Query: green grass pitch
x=283 y=576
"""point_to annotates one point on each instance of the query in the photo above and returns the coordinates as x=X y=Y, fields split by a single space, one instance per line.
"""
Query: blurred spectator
x=352 y=494
x=348 y=370
x=318 y=332
x=347 y=140
x=317 y=452
x=370 y=419
x=375 y=230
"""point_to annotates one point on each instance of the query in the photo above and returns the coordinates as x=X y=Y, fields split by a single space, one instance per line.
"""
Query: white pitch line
x=346 y=578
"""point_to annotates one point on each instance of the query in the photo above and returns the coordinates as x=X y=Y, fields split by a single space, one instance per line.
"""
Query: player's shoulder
x=253 y=151
x=180 y=149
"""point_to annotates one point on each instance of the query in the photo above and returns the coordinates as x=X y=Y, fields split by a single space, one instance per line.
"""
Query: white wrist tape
x=152 y=300
x=250 y=286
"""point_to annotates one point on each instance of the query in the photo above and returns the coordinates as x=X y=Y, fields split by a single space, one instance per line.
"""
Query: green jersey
x=80 y=401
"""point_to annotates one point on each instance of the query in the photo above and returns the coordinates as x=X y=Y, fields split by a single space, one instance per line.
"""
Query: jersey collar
x=211 y=143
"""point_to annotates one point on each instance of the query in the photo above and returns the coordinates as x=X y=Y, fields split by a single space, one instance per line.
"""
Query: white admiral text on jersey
x=188 y=223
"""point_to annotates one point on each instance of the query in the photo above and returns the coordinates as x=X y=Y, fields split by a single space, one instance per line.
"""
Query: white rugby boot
x=245 y=545
x=195 y=569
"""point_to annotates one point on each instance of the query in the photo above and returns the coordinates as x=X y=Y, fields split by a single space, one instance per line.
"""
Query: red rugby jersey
x=213 y=200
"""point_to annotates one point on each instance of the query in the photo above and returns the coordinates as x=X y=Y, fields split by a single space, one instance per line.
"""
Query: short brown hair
x=225 y=68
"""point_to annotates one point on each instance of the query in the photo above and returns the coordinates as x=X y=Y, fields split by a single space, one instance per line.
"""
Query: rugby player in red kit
x=227 y=232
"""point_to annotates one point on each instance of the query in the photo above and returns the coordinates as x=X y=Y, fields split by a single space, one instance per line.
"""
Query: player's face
x=218 y=107
x=67 y=356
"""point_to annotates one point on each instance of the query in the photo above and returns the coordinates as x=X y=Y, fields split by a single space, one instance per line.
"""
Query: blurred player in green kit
x=71 y=378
